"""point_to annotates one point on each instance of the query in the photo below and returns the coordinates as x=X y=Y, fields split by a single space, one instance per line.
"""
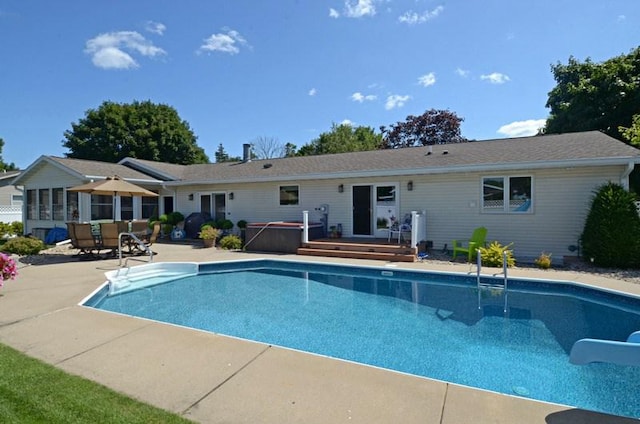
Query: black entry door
x=362 y=211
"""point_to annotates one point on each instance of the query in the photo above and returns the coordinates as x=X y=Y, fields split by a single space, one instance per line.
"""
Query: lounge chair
x=475 y=242
x=82 y=238
x=109 y=236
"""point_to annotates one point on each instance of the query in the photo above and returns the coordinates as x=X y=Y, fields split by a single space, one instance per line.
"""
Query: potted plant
x=242 y=225
x=208 y=234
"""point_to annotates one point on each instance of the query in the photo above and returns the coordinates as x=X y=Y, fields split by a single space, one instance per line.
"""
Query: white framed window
x=507 y=194
x=289 y=195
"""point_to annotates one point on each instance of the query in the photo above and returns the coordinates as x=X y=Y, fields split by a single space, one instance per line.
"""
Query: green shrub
x=23 y=246
x=226 y=224
x=242 y=224
x=5 y=229
x=543 y=261
x=174 y=218
x=17 y=228
x=230 y=242
x=611 y=235
x=492 y=255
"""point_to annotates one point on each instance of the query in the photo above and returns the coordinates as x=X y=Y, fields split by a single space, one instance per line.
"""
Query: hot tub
x=284 y=237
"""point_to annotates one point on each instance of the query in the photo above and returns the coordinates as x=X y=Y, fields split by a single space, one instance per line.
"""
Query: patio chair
x=146 y=240
x=109 y=236
x=397 y=228
x=82 y=238
x=475 y=242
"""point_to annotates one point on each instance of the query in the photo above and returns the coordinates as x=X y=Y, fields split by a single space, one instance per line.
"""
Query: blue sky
x=288 y=69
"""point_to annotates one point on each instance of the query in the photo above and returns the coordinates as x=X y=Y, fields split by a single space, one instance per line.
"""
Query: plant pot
x=208 y=242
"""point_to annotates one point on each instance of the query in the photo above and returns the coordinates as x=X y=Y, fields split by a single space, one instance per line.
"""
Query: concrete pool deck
x=210 y=378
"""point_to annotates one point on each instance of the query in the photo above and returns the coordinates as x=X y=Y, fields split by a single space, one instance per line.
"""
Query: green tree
x=632 y=134
x=432 y=127
x=4 y=166
x=223 y=156
x=595 y=96
x=341 y=139
x=141 y=130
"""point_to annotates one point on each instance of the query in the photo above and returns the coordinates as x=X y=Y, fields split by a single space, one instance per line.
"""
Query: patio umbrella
x=113 y=186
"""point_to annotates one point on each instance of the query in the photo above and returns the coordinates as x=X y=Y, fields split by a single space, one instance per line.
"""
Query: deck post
x=415 y=222
x=305 y=227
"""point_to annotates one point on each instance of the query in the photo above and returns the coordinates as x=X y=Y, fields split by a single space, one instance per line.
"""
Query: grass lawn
x=32 y=391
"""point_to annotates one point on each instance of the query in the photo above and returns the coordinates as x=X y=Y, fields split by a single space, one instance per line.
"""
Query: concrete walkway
x=215 y=379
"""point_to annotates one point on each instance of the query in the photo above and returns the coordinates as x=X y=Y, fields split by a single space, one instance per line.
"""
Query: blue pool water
x=432 y=325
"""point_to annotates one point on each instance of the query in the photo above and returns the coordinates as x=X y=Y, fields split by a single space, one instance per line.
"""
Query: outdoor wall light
x=340 y=188
x=410 y=185
x=231 y=196
x=190 y=196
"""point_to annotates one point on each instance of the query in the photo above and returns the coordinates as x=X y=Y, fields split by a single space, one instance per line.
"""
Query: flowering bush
x=9 y=268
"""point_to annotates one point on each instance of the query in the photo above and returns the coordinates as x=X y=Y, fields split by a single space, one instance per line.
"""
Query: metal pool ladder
x=492 y=286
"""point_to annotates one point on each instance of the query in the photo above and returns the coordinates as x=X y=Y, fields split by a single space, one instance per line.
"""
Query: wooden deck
x=376 y=249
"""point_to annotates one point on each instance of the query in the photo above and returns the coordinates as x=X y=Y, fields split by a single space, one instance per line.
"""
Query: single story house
x=10 y=197
x=534 y=192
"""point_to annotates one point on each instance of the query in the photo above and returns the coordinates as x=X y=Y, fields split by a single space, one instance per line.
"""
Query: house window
x=507 y=194
x=101 y=206
x=43 y=204
x=149 y=207
x=16 y=200
x=126 y=208
x=289 y=195
x=73 y=213
x=32 y=204
x=57 y=203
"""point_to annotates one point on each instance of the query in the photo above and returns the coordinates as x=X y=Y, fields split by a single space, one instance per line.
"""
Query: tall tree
x=4 y=166
x=267 y=148
x=223 y=156
x=632 y=134
x=432 y=127
x=595 y=96
x=341 y=139
x=142 y=130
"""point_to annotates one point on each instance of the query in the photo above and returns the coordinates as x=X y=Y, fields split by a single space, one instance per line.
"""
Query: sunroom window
x=507 y=194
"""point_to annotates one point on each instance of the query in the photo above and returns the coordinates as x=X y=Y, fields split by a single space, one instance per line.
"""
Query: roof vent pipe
x=246 y=152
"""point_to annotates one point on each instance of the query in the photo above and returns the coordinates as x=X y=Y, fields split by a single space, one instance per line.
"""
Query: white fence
x=10 y=214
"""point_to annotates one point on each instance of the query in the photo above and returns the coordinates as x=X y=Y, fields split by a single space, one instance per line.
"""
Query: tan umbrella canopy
x=113 y=186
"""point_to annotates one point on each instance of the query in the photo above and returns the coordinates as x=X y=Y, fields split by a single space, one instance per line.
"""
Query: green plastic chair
x=475 y=242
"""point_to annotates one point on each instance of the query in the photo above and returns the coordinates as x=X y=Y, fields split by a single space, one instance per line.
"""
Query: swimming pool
x=428 y=324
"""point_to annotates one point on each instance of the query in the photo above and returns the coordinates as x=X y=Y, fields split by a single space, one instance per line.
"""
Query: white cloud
x=522 y=128
x=395 y=101
x=462 y=72
x=313 y=92
x=359 y=97
x=114 y=50
x=155 y=27
x=355 y=9
x=347 y=122
x=622 y=18
x=495 y=78
x=427 y=79
x=229 y=42
x=412 y=18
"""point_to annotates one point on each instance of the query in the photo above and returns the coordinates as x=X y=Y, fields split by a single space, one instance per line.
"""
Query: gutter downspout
x=624 y=178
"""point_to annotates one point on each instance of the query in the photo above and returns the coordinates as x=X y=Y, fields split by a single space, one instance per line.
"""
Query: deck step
x=357 y=254
x=363 y=247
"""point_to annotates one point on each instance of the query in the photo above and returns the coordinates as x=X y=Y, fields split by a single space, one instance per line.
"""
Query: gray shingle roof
x=96 y=169
x=516 y=153
x=562 y=150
